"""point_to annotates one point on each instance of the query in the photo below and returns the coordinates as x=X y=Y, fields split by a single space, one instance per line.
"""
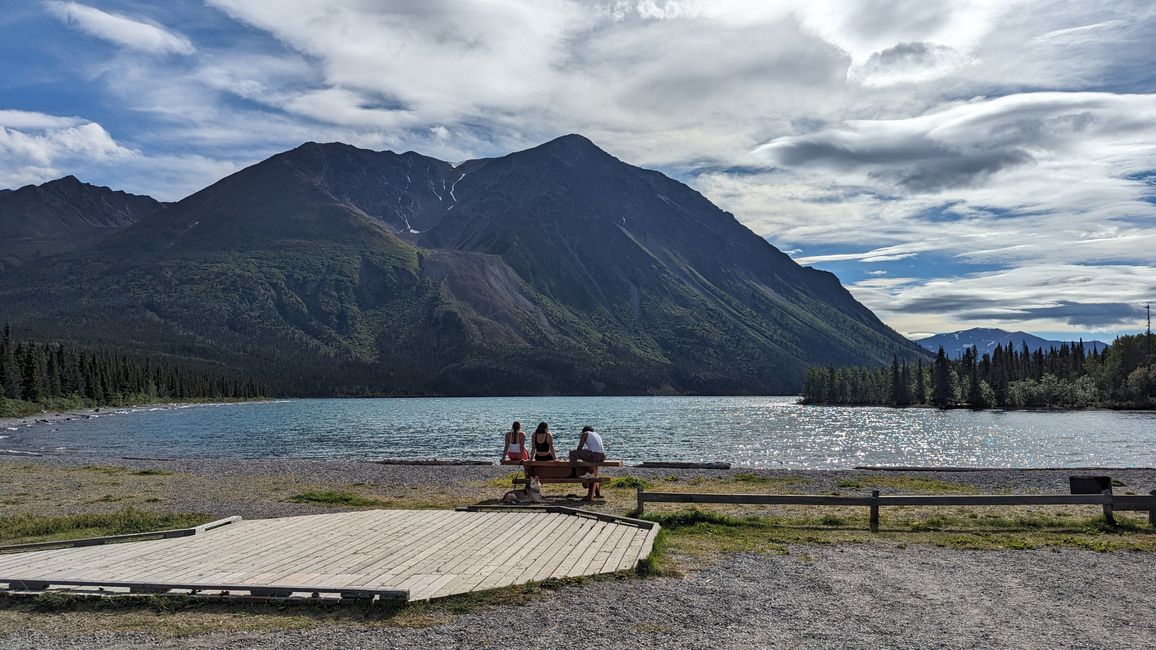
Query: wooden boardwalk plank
x=432 y=553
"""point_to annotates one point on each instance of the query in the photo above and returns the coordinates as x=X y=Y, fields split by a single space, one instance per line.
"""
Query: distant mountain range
x=986 y=339
x=63 y=215
x=330 y=269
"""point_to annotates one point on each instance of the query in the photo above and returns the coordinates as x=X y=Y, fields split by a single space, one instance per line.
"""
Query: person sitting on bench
x=590 y=450
x=543 y=443
x=516 y=443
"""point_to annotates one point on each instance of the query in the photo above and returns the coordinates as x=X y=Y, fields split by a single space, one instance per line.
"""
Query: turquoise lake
x=768 y=432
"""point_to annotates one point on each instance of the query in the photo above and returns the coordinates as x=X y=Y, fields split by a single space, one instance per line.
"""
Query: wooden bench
x=558 y=471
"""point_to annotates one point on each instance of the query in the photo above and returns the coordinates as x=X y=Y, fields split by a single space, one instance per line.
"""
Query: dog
x=531 y=494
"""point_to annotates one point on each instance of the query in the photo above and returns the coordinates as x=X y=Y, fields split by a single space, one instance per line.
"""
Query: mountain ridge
x=557 y=269
x=64 y=215
x=984 y=339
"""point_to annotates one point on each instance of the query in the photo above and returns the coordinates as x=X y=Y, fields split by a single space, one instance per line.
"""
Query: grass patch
x=631 y=482
x=752 y=478
x=108 y=470
x=920 y=484
x=22 y=529
x=699 y=536
x=506 y=481
x=108 y=498
x=337 y=498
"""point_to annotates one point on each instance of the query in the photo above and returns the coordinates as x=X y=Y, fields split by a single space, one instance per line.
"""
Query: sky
x=957 y=164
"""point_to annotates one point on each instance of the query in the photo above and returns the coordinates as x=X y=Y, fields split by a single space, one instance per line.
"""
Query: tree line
x=1122 y=376
x=53 y=374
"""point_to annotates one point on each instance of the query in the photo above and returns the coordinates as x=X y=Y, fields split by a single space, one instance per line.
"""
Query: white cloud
x=120 y=30
x=895 y=131
x=35 y=146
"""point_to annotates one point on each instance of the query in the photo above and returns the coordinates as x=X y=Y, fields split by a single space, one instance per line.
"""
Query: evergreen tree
x=894 y=394
x=33 y=383
x=9 y=370
x=920 y=384
x=942 y=393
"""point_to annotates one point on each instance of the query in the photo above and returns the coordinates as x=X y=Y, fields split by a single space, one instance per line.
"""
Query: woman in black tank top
x=543 y=443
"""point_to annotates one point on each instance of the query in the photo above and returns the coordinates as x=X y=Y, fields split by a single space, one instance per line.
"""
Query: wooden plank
x=516 y=530
x=530 y=529
x=403 y=559
x=367 y=538
x=582 y=564
x=538 y=556
x=403 y=564
x=602 y=557
x=1134 y=502
x=480 y=538
x=565 y=543
x=434 y=523
x=168 y=586
x=576 y=546
x=755 y=499
x=509 y=572
x=994 y=500
x=493 y=572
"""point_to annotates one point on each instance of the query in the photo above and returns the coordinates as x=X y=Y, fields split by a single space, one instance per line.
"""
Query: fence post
x=874 y=511
x=1108 y=507
x=1152 y=511
x=638 y=495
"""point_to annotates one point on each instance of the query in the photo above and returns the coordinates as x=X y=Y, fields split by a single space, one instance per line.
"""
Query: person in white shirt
x=590 y=449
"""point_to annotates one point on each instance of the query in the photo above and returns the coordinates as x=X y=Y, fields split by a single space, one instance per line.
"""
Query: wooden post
x=638 y=495
x=874 y=511
x=1108 y=507
x=1152 y=511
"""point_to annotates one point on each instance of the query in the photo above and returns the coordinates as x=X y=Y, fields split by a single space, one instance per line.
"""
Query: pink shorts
x=516 y=455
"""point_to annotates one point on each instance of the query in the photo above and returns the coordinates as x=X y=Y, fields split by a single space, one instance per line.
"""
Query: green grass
x=631 y=482
x=22 y=529
x=752 y=478
x=907 y=484
x=337 y=498
x=702 y=535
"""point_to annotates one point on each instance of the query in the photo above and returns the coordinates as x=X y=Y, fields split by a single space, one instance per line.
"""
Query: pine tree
x=920 y=384
x=9 y=370
x=941 y=390
x=33 y=384
x=894 y=394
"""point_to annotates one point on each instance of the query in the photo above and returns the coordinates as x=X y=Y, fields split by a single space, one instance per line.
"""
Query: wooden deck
x=413 y=554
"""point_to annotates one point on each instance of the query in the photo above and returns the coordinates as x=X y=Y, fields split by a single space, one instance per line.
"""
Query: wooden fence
x=1108 y=500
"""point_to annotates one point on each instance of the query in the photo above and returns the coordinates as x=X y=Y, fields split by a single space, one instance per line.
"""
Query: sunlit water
x=745 y=431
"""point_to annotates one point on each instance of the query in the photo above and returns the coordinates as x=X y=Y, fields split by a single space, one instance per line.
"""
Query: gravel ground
x=817 y=481
x=846 y=596
x=817 y=596
x=242 y=487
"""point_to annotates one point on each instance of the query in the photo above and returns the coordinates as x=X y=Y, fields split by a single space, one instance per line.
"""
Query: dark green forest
x=1122 y=376
x=35 y=376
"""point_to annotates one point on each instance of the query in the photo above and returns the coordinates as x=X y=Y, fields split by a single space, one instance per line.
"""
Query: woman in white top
x=516 y=443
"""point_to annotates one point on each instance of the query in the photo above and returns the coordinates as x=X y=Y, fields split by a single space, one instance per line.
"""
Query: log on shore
x=681 y=465
x=432 y=461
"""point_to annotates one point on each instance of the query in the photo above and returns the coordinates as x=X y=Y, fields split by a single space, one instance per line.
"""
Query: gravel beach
x=815 y=595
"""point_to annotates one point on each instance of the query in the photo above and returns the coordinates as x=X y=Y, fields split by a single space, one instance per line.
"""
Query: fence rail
x=1106 y=499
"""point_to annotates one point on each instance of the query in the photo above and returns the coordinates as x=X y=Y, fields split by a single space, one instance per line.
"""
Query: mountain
x=63 y=215
x=559 y=269
x=985 y=340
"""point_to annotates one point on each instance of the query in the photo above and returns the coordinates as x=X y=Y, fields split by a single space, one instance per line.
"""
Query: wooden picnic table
x=558 y=471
